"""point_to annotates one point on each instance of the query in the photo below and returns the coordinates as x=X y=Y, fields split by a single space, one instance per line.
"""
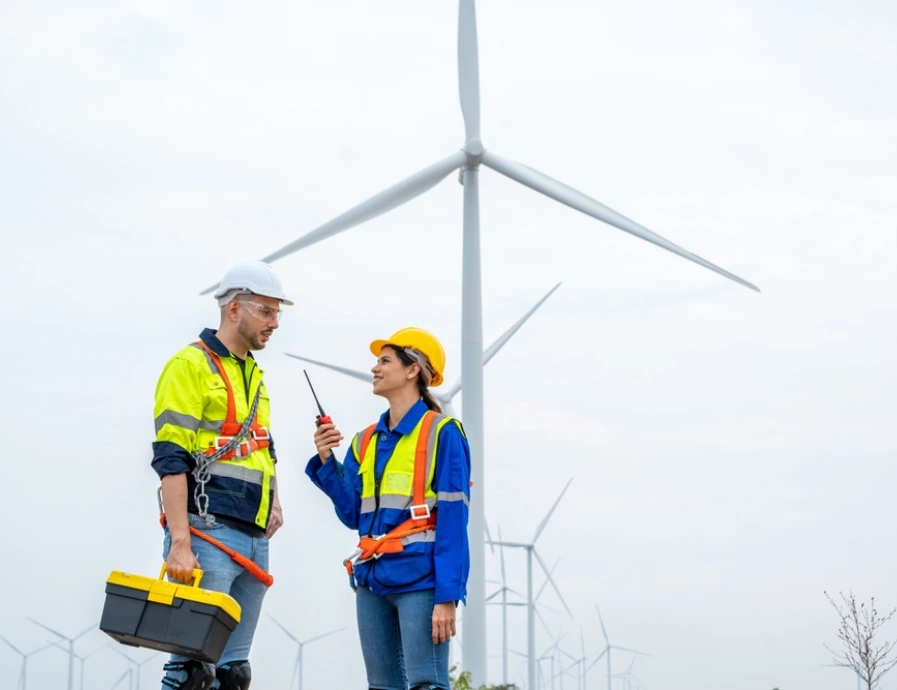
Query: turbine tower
x=531 y=552
x=299 y=667
x=468 y=160
x=444 y=398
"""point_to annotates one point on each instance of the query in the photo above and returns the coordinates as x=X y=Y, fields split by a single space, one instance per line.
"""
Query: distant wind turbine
x=607 y=650
x=444 y=398
x=81 y=660
x=531 y=552
x=298 y=667
x=137 y=664
x=71 y=647
x=23 y=672
x=851 y=668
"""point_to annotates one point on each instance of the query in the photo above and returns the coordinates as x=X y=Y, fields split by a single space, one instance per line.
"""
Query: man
x=216 y=463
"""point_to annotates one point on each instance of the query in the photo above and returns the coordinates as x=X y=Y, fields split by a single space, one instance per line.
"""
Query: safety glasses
x=261 y=311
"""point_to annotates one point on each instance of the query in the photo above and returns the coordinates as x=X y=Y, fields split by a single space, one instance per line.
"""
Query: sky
x=731 y=452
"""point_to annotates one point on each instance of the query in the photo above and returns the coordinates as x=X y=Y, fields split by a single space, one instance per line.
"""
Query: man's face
x=258 y=319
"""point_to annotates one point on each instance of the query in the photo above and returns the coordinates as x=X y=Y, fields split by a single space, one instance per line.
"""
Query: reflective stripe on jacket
x=436 y=559
x=190 y=409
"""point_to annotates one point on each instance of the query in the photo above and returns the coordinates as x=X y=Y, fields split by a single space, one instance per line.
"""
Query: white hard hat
x=254 y=277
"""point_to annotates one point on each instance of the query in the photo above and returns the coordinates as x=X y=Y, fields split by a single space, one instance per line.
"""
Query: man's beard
x=253 y=338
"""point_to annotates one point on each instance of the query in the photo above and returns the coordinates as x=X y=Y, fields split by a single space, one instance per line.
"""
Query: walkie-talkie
x=321 y=418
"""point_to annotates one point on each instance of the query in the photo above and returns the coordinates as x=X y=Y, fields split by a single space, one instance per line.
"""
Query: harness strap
x=374 y=547
x=230 y=428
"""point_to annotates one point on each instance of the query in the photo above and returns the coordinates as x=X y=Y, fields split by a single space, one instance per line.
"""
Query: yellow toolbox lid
x=164 y=592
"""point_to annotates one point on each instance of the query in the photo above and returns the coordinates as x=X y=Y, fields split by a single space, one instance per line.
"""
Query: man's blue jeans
x=220 y=573
x=396 y=633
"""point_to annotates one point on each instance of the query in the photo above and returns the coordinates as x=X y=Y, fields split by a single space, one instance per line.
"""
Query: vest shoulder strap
x=365 y=441
x=420 y=462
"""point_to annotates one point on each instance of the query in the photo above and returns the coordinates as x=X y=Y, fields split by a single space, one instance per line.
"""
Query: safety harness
x=236 y=441
x=422 y=518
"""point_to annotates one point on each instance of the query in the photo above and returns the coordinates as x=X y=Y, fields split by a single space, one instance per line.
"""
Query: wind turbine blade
x=577 y=200
x=489 y=537
x=603 y=629
x=85 y=631
x=289 y=634
x=378 y=204
x=596 y=660
x=548 y=515
x=501 y=553
x=468 y=69
x=318 y=637
x=553 y=584
x=354 y=373
x=58 y=634
x=506 y=336
x=545 y=584
x=631 y=651
x=12 y=646
x=542 y=621
x=499 y=343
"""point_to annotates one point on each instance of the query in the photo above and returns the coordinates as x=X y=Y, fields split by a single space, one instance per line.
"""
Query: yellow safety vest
x=191 y=410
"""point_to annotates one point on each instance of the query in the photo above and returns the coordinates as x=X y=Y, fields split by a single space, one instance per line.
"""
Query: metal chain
x=203 y=462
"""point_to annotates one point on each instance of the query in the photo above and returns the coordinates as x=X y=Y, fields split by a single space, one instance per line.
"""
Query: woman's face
x=390 y=374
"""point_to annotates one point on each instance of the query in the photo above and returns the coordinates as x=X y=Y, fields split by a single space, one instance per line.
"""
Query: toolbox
x=168 y=616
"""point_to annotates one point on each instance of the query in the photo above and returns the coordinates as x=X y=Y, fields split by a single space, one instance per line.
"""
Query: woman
x=406 y=477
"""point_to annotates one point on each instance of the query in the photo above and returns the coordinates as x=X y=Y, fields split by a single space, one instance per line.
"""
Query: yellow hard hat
x=420 y=340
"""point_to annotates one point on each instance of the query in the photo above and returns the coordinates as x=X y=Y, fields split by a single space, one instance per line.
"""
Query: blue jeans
x=396 y=632
x=220 y=573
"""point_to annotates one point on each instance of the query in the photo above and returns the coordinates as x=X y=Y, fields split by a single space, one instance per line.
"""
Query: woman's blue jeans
x=396 y=633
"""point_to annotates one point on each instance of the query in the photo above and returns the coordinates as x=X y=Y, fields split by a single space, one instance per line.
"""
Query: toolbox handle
x=197 y=574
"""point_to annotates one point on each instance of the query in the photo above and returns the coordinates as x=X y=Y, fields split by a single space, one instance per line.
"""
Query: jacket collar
x=409 y=421
x=210 y=338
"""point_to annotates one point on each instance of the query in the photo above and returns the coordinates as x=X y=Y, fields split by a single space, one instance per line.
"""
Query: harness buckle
x=418 y=516
x=261 y=434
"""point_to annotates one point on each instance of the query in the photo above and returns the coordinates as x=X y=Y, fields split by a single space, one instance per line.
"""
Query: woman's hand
x=327 y=437
x=443 y=621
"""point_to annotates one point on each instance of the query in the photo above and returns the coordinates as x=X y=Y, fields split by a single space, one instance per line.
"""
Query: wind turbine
x=468 y=160
x=81 y=660
x=298 y=666
x=443 y=398
x=137 y=664
x=23 y=673
x=608 y=648
x=851 y=668
x=530 y=549
x=71 y=646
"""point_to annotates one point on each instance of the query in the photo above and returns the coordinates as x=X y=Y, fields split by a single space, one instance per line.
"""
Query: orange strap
x=231 y=426
x=250 y=565
x=365 y=442
x=231 y=418
x=420 y=461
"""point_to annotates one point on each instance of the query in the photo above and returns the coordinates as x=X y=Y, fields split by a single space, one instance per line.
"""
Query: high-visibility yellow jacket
x=190 y=409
